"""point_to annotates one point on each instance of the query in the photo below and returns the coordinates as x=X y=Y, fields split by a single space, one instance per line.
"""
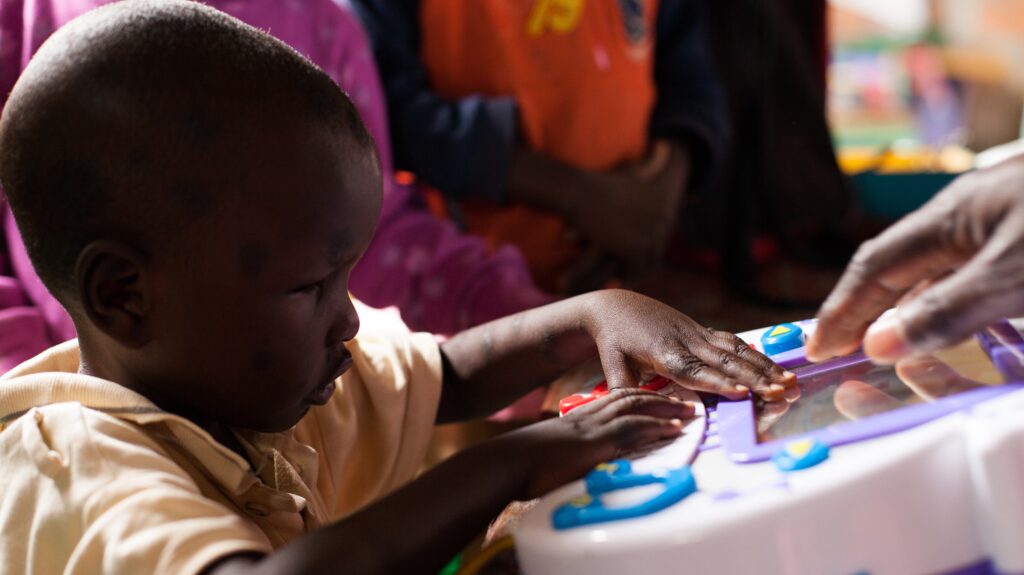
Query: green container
x=892 y=196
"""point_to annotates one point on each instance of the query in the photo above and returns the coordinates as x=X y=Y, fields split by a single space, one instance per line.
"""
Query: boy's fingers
x=731 y=342
x=692 y=372
x=617 y=371
x=642 y=402
x=735 y=358
x=613 y=397
x=630 y=432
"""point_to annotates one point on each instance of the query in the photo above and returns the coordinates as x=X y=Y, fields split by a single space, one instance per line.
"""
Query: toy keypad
x=781 y=338
x=800 y=454
x=571 y=402
x=618 y=474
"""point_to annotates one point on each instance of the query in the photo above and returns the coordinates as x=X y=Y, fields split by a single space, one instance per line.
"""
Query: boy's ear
x=114 y=297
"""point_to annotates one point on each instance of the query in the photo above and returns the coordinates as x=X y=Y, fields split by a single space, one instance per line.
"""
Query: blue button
x=782 y=337
x=800 y=454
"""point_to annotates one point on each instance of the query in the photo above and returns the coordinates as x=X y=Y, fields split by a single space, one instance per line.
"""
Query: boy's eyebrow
x=252 y=258
x=338 y=245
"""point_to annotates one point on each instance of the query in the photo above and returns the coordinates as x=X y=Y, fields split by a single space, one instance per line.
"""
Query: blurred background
x=916 y=92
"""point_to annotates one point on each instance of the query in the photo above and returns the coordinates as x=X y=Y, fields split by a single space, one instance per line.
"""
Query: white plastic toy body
x=943 y=496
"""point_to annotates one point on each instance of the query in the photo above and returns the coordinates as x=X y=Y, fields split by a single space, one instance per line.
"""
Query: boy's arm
x=419 y=527
x=636 y=337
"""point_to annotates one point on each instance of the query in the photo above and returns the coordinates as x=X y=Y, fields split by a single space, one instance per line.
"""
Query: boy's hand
x=560 y=450
x=638 y=337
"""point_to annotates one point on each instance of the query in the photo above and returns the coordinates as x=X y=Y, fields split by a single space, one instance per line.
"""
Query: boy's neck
x=92 y=364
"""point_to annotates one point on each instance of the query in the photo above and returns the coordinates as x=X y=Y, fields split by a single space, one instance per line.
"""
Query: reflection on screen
x=852 y=388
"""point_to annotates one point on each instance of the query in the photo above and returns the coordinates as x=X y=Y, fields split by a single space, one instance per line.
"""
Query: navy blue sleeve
x=691 y=102
x=463 y=147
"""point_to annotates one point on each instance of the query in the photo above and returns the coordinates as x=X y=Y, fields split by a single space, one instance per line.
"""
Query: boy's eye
x=312 y=289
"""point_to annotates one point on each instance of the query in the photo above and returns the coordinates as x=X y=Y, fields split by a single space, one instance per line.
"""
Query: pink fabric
x=441 y=281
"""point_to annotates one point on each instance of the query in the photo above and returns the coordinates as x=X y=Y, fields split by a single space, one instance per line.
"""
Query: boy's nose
x=346 y=324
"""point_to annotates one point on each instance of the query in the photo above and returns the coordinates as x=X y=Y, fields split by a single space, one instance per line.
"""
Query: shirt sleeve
x=690 y=103
x=93 y=494
x=461 y=147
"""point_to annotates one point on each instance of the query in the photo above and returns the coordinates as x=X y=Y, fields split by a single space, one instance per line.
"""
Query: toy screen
x=852 y=388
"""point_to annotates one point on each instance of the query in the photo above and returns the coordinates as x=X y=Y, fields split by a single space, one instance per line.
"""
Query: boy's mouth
x=322 y=393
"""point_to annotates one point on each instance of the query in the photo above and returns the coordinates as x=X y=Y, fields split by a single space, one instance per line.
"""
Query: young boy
x=196 y=194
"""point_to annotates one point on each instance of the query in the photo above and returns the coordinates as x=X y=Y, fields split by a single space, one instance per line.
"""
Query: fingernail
x=789 y=375
x=677 y=422
x=776 y=388
x=742 y=389
x=811 y=351
x=884 y=341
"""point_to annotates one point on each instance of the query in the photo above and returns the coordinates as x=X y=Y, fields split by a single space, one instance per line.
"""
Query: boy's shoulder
x=78 y=482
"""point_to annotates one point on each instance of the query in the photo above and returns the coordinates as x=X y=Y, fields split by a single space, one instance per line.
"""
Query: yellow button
x=799 y=448
x=581 y=501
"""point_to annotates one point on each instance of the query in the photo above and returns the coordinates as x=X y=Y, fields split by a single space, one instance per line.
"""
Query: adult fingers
x=882 y=270
x=986 y=289
x=857 y=400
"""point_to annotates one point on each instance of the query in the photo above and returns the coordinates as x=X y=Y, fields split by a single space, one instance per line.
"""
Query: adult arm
x=462 y=147
x=958 y=264
x=690 y=107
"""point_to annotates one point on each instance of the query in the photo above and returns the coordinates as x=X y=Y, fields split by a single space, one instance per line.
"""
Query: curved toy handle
x=607 y=477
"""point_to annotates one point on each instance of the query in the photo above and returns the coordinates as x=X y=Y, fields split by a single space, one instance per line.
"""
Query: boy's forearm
x=416 y=529
x=490 y=365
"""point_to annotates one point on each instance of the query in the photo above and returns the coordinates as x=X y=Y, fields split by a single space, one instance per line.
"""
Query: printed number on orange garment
x=558 y=16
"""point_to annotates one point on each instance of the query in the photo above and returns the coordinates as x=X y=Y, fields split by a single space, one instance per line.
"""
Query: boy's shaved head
x=133 y=121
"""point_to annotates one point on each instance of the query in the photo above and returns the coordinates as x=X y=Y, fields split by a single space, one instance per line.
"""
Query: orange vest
x=581 y=73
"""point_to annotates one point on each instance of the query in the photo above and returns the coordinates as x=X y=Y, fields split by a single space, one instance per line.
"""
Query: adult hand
x=638 y=337
x=631 y=212
x=957 y=263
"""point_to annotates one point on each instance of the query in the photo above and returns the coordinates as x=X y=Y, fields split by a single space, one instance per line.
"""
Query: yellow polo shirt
x=94 y=478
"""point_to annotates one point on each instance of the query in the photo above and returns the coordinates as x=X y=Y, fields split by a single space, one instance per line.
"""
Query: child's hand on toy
x=556 y=451
x=638 y=337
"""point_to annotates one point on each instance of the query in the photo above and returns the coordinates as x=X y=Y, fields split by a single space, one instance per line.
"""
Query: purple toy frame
x=736 y=420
